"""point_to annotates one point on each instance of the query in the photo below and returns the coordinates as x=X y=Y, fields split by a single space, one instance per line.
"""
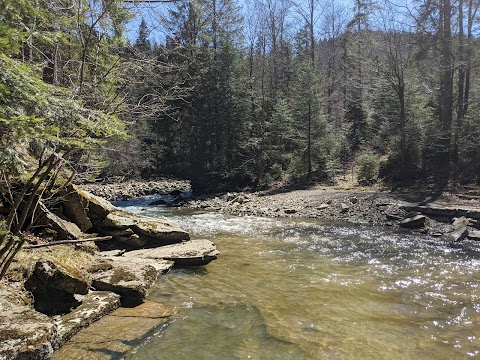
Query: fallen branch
x=60 y=242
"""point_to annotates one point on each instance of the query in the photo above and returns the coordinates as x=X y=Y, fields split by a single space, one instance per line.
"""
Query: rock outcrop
x=129 y=231
x=64 y=293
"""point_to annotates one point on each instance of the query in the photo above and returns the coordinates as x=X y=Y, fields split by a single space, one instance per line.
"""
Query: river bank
x=91 y=259
x=451 y=217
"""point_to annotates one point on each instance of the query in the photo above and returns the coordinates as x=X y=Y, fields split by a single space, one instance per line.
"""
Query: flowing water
x=306 y=289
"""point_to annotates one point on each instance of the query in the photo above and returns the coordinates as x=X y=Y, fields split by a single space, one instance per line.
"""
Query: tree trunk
x=446 y=81
x=403 y=121
x=460 y=85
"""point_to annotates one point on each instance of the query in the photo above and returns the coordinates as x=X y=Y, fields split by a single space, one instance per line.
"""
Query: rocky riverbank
x=432 y=214
x=55 y=289
x=449 y=216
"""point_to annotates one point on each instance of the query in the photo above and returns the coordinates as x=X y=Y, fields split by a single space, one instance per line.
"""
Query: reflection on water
x=304 y=289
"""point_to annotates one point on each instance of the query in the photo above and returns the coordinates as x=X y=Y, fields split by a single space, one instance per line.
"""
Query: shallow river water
x=307 y=289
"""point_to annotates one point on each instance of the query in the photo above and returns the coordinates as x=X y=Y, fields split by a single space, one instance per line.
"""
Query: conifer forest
x=236 y=95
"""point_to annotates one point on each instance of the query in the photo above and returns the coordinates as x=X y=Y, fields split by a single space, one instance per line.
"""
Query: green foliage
x=33 y=110
x=367 y=164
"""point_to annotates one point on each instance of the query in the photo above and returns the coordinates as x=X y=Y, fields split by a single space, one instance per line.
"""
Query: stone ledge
x=95 y=305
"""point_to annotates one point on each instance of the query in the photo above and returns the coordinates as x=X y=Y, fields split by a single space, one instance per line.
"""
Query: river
x=307 y=289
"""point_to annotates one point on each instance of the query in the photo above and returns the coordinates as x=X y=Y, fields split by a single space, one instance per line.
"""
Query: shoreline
x=447 y=217
x=364 y=206
x=357 y=206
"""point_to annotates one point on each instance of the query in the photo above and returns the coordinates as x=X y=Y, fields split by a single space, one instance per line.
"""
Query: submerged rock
x=117 y=332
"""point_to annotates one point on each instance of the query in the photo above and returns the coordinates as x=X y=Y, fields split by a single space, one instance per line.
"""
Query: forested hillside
x=242 y=94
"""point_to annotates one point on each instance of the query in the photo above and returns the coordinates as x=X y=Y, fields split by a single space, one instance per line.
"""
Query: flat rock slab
x=95 y=305
x=146 y=231
x=115 y=334
x=188 y=253
x=64 y=228
x=444 y=211
x=107 y=260
x=25 y=333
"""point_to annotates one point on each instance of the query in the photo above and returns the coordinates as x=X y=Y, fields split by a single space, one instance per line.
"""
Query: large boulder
x=24 y=333
x=75 y=207
x=134 y=231
x=53 y=287
x=64 y=228
x=457 y=235
x=460 y=222
x=96 y=207
x=129 y=280
x=189 y=253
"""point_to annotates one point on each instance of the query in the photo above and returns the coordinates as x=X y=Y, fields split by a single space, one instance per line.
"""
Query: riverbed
x=312 y=289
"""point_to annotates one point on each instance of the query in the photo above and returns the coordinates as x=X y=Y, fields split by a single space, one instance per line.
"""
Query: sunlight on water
x=304 y=289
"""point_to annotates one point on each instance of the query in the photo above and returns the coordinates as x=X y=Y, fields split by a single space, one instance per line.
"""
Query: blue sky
x=154 y=12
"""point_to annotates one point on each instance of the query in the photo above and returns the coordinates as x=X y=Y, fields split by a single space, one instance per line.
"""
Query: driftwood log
x=60 y=242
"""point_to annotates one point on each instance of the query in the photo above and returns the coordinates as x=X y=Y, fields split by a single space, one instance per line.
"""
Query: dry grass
x=74 y=260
